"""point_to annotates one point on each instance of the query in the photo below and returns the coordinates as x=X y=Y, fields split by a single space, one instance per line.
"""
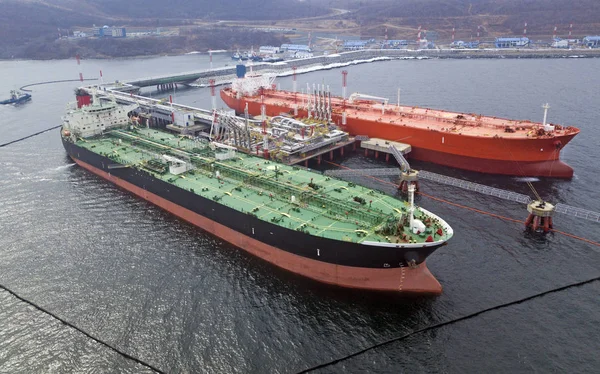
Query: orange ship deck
x=424 y=118
x=466 y=141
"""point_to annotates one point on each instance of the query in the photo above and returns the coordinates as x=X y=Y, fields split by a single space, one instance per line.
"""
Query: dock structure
x=319 y=153
x=227 y=74
x=181 y=78
x=383 y=146
x=284 y=139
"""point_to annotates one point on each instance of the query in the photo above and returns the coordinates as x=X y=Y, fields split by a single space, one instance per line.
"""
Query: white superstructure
x=94 y=119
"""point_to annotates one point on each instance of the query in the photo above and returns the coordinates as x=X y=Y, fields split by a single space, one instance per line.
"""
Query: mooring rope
x=112 y=348
x=442 y=324
x=29 y=136
x=59 y=81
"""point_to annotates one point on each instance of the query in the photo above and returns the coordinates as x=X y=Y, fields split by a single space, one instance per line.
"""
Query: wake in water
x=62 y=167
x=527 y=179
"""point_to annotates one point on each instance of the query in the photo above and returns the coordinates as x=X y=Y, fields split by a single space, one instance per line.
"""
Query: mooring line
x=114 y=349
x=442 y=324
x=59 y=81
x=29 y=136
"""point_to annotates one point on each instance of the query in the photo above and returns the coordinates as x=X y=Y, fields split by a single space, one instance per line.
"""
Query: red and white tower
x=453 y=34
x=570 y=29
x=79 y=67
x=344 y=83
x=554 y=34
x=211 y=82
x=525 y=30
x=386 y=38
x=294 y=82
x=263 y=113
x=295 y=91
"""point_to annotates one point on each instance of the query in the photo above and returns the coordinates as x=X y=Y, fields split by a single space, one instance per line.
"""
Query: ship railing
x=338 y=207
x=492 y=191
x=259 y=180
x=400 y=158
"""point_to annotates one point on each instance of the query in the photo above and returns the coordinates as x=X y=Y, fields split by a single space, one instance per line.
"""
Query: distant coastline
x=438 y=53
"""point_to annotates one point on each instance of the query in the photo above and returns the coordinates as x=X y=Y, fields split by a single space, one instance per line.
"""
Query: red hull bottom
x=400 y=280
x=550 y=168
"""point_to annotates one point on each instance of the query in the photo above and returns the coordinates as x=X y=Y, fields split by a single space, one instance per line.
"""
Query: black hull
x=310 y=247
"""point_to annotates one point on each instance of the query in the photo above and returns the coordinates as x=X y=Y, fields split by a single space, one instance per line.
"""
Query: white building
x=268 y=49
x=560 y=43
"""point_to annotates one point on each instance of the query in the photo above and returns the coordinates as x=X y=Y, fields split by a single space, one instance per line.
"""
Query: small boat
x=16 y=97
x=239 y=56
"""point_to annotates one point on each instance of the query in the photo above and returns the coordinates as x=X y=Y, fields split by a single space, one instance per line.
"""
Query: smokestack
x=294 y=82
x=344 y=83
x=386 y=37
x=213 y=94
x=79 y=67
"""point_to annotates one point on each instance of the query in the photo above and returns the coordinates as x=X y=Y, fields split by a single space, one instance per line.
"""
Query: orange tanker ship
x=465 y=141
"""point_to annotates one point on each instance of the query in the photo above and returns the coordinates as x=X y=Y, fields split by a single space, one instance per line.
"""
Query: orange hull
x=487 y=149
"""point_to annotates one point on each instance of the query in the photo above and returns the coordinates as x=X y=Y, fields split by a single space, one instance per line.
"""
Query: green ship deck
x=288 y=196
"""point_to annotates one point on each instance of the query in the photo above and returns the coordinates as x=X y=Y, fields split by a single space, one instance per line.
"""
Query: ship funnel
x=240 y=70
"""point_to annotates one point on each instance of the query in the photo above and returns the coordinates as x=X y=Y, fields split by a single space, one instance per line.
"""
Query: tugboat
x=239 y=56
x=16 y=97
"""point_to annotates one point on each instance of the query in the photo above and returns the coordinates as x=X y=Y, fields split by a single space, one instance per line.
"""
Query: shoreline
x=226 y=75
x=393 y=54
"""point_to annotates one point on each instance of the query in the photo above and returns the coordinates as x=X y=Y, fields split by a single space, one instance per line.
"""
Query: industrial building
x=355 y=45
x=112 y=32
x=591 y=41
x=268 y=49
x=295 y=47
x=560 y=43
x=463 y=44
x=396 y=44
x=511 y=42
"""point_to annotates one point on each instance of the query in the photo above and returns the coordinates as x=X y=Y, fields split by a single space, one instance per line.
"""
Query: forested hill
x=26 y=24
x=494 y=17
x=29 y=28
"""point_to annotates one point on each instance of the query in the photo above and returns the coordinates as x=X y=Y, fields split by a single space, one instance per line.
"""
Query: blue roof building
x=353 y=45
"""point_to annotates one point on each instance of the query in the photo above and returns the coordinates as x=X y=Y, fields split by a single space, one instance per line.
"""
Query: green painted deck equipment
x=288 y=196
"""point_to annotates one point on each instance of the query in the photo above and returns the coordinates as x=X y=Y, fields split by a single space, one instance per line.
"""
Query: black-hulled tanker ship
x=323 y=228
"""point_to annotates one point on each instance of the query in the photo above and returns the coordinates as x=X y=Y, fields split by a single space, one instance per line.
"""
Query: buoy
x=540 y=215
